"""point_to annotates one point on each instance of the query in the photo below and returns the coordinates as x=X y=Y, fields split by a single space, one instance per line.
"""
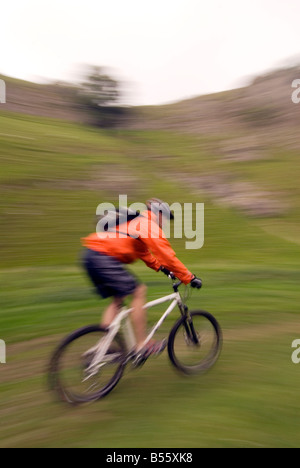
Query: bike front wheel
x=195 y=342
x=72 y=374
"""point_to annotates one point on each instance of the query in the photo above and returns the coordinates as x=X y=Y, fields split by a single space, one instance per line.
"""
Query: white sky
x=166 y=50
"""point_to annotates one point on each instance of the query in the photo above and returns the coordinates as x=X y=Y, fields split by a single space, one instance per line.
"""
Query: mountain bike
x=89 y=363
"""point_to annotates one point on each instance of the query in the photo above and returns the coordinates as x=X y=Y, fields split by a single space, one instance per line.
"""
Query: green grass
x=248 y=399
x=50 y=186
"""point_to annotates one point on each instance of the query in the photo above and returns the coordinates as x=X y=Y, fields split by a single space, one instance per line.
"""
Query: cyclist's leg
x=139 y=319
x=111 y=312
x=112 y=280
x=138 y=314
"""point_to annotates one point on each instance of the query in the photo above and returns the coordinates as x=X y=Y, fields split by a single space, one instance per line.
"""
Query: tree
x=100 y=94
x=100 y=89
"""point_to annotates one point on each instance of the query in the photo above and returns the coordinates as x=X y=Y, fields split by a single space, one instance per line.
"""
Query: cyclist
x=105 y=258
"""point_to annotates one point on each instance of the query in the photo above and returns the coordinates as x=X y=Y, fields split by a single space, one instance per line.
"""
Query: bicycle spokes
x=82 y=371
x=194 y=342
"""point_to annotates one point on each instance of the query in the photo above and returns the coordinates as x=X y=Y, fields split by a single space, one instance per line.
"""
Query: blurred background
x=181 y=101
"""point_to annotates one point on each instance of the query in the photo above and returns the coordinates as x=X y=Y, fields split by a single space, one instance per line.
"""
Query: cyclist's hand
x=167 y=272
x=196 y=283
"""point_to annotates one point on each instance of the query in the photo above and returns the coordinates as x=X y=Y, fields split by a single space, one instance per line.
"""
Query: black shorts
x=108 y=275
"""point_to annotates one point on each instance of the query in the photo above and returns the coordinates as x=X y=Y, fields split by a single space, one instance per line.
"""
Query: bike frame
x=176 y=300
x=104 y=344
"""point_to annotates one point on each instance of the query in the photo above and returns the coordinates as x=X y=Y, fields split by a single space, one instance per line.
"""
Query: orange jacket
x=142 y=239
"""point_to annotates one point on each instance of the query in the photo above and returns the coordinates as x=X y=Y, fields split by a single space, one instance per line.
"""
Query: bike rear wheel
x=70 y=366
x=195 y=342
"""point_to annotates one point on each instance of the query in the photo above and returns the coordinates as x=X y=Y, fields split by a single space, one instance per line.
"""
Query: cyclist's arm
x=165 y=255
x=150 y=260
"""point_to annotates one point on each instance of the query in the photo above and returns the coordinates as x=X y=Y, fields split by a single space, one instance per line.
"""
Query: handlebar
x=198 y=284
x=176 y=285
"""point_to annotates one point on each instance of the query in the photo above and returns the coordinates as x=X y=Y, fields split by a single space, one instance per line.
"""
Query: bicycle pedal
x=163 y=346
x=139 y=360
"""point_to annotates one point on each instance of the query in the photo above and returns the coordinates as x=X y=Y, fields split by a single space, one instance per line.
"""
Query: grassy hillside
x=55 y=100
x=53 y=176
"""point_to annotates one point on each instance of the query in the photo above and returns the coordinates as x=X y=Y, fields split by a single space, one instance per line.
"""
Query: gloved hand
x=167 y=272
x=196 y=283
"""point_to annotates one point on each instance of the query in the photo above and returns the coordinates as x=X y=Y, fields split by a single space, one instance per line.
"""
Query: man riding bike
x=144 y=239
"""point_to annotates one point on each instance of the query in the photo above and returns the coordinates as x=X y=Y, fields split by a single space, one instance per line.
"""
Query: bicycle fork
x=191 y=333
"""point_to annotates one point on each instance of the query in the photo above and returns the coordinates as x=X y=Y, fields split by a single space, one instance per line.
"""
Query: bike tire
x=180 y=345
x=56 y=379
